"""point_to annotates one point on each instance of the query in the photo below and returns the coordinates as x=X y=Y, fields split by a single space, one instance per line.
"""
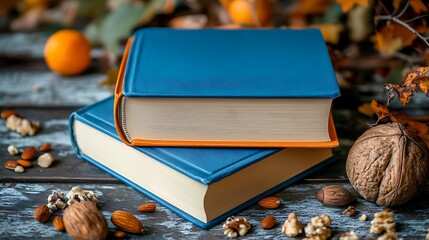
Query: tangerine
x=242 y=12
x=67 y=52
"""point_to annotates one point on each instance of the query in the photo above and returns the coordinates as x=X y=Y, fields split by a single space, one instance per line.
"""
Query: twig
x=403 y=10
x=418 y=17
x=404 y=24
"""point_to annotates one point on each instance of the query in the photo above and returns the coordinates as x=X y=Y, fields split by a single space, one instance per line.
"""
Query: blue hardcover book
x=203 y=185
x=230 y=88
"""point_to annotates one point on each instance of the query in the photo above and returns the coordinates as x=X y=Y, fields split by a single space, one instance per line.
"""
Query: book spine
x=72 y=137
x=119 y=101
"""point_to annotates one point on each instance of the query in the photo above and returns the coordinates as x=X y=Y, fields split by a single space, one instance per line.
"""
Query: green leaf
x=119 y=24
x=151 y=10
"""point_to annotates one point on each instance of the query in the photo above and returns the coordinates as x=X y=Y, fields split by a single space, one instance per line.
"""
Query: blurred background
x=371 y=42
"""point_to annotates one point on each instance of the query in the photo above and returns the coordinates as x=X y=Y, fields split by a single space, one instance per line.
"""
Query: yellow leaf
x=379 y=109
x=366 y=109
x=330 y=31
x=346 y=5
x=418 y=6
x=387 y=45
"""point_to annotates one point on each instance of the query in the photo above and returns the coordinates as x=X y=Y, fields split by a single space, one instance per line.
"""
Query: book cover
x=196 y=183
x=227 y=64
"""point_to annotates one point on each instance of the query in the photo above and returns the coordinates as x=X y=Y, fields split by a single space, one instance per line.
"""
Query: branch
x=403 y=10
x=404 y=24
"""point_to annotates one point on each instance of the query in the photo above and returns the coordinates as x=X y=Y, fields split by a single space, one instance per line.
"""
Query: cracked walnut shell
x=388 y=164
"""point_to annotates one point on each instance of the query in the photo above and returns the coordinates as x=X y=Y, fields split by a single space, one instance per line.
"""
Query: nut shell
x=334 y=196
x=42 y=213
x=29 y=153
x=268 y=222
x=58 y=223
x=388 y=164
x=126 y=222
x=269 y=202
x=147 y=207
x=83 y=221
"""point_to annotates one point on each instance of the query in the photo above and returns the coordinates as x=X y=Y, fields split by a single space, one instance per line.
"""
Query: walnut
x=350 y=211
x=317 y=228
x=388 y=164
x=77 y=195
x=22 y=126
x=349 y=236
x=292 y=226
x=236 y=226
x=389 y=236
x=56 y=201
x=383 y=221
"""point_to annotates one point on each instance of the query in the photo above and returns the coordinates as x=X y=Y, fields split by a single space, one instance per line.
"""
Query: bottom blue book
x=203 y=185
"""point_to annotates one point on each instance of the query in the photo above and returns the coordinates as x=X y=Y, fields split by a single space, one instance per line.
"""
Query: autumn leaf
x=387 y=45
x=346 y=5
x=416 y=125
x=330 y=31
x=418 y=6
x=366 y=109
x=417 y=79
x=381 y=111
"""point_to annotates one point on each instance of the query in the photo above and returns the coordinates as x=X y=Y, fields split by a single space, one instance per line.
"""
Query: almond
x=269 y=202
x=7 y=113
x=268 y=222
x=29 y=153
x=45 y=147
x=335 y=196
x=42 y=213
x=147 y=207
x=11 y=165
x=24 y=163
x=119 y=234
x=126 y=222
x=59 y=224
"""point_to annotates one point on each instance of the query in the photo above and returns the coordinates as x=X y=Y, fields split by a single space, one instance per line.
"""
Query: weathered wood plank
x=48 y=89
x=30 y=44
x=18 y=202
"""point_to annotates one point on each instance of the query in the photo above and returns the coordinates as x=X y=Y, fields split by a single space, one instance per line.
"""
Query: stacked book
x=207 y=122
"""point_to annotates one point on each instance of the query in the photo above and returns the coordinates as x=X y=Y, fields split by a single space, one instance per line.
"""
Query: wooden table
x=27 y=86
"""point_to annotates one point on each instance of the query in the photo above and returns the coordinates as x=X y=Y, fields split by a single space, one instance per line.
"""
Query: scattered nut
x=45 y=160
x=351 y=235
x=317 y=228
x=5 y=114
x=56 y=201
x=22 y=126
x=268 y=222
x=147 y=207
x=334 y=195
x=119 y=234
x=126 y=222
x=389 y=236
x=24 y=163
x=236 y=226
x=42 y=214
x=12 y=150
x=269 y=202
x=292 y=226
x=11 y=165
x=350 y=211
x=77 y=195
x=19 y=169
x=45 y=147
x=29 y=153
x=363 y=217
x=59 y=224
x=84 y=221
x=383 y=221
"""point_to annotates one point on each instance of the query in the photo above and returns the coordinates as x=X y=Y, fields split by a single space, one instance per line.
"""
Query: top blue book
x=272 y=63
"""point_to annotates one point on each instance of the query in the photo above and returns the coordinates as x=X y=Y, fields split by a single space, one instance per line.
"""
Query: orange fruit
x=67 y=52
x=241 y=11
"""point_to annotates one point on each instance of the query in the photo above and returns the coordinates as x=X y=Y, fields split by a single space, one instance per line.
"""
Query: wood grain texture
x=17 y=203
x=47 y=89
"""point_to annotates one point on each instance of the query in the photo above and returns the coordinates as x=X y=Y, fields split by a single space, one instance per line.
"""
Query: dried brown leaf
x=418 y=6
x=417 y=79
